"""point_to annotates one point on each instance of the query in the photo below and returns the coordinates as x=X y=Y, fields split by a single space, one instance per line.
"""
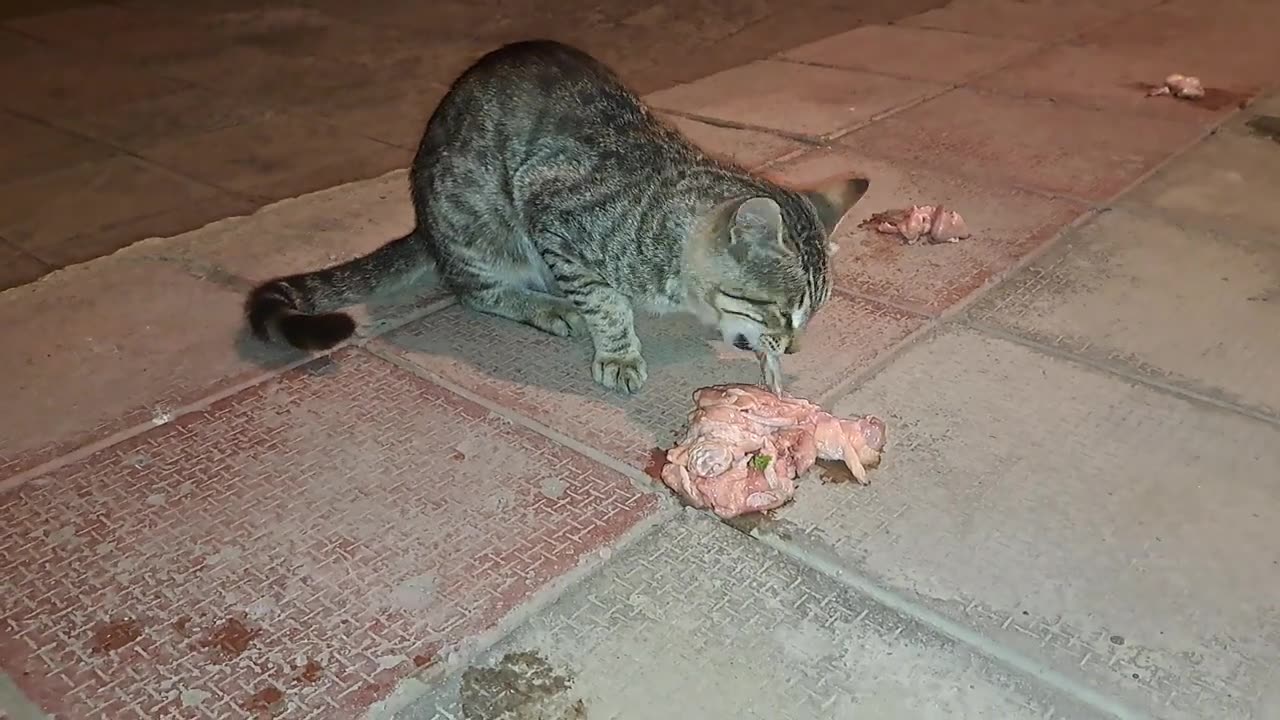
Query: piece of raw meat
x=930 y=222
x=745 y=447
x=1187 y=87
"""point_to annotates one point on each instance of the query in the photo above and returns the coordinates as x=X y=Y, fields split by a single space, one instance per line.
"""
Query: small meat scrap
x=1187 y=87
x=745 y=446
x=933 y=223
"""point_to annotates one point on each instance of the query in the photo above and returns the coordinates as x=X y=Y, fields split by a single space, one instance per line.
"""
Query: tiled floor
x=122 y=120
x=446 y=519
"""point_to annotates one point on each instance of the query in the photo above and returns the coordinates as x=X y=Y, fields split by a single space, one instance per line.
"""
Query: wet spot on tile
x=310 y=672
x=112 y=636
x=520 y=685
x=1267 y=126
x=265 y=701
x=230 y=639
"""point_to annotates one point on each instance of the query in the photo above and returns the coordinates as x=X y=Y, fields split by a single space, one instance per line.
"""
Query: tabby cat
x=547 y=193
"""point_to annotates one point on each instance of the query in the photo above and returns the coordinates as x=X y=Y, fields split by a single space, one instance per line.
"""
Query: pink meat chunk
x=932 y=223
x=1187 y=87
x=745 y=446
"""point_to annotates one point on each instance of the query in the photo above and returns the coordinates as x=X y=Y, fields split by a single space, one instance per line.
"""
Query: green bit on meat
x=760 y=462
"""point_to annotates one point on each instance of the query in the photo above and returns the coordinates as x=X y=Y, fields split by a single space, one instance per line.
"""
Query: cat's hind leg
x=496 y=276
x=546 y=312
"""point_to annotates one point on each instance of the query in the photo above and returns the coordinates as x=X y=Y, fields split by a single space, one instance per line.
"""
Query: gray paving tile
x=1119 y=534
x=699 y=621
x=1176 y=303
x=1228 y=183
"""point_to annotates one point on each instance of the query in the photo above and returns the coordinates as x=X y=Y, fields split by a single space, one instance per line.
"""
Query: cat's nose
x=741 y=343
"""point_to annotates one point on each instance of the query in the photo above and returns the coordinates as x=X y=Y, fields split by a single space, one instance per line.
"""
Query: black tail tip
x=316 y=332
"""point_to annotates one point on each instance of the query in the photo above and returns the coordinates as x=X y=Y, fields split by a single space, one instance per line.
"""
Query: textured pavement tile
x=309 y=233
x=1042 y=20
x=398 y=117
x=17 y=267
x=784 y=28
x=93 y=209
x=748 y=148
x=50 y=85
x=1053 y=147
x=1006 y=223
x=183 y=114
x=1228 y=44
x=103 y=347
x=697 y=621
x=28 y=149
x=121 y=32
x=296 y=548
x=1118 y=79
x=1072 y=515
x=1228 y=183
x=279 y=156
x=792 y=98
x=916 y=53
x=1189 y=307
x=549 y=379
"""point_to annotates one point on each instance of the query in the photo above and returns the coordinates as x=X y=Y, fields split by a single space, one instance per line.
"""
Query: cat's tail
x=300 y=309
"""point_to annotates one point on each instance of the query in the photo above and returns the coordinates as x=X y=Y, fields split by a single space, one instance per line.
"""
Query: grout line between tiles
x=205 y=401
x=642 y=480
x=418 y=685
x=959 y=632
x=1118 y=370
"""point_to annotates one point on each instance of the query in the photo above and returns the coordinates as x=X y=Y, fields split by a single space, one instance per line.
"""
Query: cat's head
x=767 y=270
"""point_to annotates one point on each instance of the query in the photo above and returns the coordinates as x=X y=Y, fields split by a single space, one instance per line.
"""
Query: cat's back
x=544 y=89
x=539 y=77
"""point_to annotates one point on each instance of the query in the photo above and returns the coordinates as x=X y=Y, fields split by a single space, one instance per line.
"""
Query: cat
x=546 y=192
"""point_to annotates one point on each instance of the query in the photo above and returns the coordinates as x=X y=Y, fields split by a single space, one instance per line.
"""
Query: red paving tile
x=91 y=209
x=1118 y=79
x=121 y=34
x=1053 y=147
x=308 y=233
x=1006 y=223
x=283 y=152
x=549 y=379
x=32 y=148
x=792 y=98
x=748 y=148
x=49 y=85
x=1231 y=36
x=111 y=345
x=301 y=546
x=915 y=53
x=17 y=267
x=186 y=113
x=1042 y=20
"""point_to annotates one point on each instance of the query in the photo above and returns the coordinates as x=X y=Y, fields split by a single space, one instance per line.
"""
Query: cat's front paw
x=624 y=372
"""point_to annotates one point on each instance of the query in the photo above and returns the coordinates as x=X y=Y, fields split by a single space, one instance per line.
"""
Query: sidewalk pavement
x=127 y=119
x=447 y=519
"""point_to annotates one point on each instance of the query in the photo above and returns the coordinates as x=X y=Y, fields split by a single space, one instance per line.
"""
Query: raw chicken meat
x=745 y=447
x=1187 y=87
x=931 y=222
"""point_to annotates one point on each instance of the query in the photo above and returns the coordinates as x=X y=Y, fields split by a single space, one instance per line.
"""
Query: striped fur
x=547 y=193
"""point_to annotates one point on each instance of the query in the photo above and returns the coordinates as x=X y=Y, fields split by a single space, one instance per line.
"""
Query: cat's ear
x=835 y=199
x=756 y=227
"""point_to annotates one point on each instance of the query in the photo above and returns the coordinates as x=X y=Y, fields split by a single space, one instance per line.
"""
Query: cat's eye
x=744 y=298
